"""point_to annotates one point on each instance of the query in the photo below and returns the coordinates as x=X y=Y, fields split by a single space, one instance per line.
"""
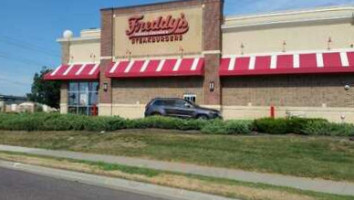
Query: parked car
x=173 y=107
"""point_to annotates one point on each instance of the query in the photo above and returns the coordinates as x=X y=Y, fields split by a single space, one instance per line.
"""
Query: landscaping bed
x=57 y=122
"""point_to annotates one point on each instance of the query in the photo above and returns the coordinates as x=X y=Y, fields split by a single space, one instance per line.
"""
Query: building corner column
x=105 y=91
x=64 y=99
x=212 y=39
x=65 y=52
x=65 y=59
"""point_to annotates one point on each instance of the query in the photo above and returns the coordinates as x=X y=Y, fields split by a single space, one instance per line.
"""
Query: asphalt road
x=16 y=185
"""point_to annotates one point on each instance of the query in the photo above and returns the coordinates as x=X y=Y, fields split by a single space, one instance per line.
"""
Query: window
x=190 y=97
x=83 y=96
x=169 y=102
x=180 y=104
x=159 y=103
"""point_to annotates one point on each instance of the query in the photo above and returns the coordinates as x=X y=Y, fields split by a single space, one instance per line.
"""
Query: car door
x=183 y=109
x=170 y=108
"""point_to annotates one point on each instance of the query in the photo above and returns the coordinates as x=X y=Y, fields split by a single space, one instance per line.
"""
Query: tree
x=45 y=92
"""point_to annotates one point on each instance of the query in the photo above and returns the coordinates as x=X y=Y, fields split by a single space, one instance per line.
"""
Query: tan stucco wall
x=104 y=109
x=301 y=30
x=83 y=51
x=2 y=106
x=63 y=108
x=90 y=33
x=191 y=43
x=297 y=37
x=290 y=16
x=130 y=111
x=250 y=112
x=64 y=98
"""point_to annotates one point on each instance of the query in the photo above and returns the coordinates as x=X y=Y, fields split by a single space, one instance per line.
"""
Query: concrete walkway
x=318 y=185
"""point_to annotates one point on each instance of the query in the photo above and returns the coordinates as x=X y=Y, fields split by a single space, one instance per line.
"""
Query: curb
x=113 y=183
x=308 y=184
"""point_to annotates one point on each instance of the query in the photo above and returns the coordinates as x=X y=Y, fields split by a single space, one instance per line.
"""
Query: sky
x=29 y=29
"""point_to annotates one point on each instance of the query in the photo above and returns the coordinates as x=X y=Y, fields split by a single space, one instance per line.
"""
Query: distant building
x=6 y=100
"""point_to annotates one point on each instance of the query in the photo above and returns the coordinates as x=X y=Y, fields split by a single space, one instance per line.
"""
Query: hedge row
x=303 y=126
x=57 y=122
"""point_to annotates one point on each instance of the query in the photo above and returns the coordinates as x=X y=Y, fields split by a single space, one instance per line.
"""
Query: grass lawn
x=221 y=187
x=322 y=157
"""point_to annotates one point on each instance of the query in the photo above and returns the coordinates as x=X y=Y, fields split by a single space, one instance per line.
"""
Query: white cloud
x=235 y=7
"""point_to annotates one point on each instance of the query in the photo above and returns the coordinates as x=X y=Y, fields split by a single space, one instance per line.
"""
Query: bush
x=23 y=121
x=58 y=122
x=304 y=126
x=272 y=126
x=298 y=125
x=329 y=129
x=228 y=127
x=166 y=123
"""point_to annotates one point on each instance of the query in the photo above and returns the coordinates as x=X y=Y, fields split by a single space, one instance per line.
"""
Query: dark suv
x=173 y=107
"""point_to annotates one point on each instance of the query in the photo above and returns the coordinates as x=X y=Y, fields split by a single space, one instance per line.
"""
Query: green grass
x=152 y=173
x=123 y=168
x=321 y=157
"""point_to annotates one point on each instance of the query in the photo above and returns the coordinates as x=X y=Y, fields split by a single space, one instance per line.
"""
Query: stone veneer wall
x=131 y=95
x=289 y=90
x=141 y=91
x=295 y=95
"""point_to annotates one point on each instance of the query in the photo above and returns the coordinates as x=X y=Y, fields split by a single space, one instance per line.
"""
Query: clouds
x=235 y=7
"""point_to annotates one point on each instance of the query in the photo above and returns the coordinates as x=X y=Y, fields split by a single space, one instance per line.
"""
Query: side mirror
x=187 y=105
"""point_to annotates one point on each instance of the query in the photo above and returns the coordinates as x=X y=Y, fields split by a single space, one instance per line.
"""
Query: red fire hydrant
x=94 y=110
x=272 y=111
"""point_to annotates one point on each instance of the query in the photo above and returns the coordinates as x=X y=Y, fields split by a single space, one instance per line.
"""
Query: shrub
x=329 y=129
x=305 y=126
x=297 y=125
x=22 y=121
x=239 y=127
x=116 y=123
x=228 y=127
x=166 y=123
x=58 y=122
x=272 y=126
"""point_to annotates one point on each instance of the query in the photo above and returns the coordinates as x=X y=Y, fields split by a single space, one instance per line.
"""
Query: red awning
x=75 y=72
x=156 y=68
x=288 y=63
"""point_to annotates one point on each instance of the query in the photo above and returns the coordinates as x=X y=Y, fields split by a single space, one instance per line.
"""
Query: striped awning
x=156 y=68
x=289 y=63
x=75 y=72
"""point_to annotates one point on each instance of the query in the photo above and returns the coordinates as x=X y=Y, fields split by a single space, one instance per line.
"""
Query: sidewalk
x=318 y=185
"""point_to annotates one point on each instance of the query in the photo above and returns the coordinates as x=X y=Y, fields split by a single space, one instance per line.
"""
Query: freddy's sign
x=162 y=29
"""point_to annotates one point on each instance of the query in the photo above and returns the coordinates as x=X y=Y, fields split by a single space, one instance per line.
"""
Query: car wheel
x=202 y=117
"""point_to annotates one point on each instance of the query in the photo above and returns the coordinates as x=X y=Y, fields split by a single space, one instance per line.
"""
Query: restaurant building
x=299 y=62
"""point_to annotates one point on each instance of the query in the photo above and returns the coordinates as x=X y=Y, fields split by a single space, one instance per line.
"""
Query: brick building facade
x=241 y=65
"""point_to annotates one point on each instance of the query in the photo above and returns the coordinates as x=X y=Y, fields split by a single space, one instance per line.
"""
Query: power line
x=27 y=46
x=19 y=59
x=13 y=82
